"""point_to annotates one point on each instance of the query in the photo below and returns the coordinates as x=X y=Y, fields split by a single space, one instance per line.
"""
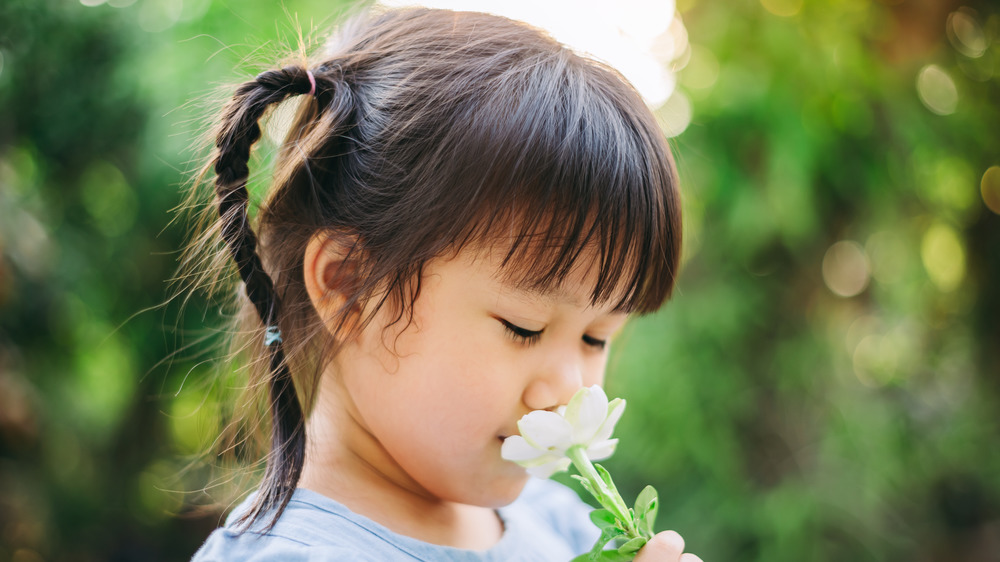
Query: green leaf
x=632 y=546
x=587 y=485
x=615 y=556
x=646 y=507
x=607 y=533
x=603 y=518
x=598 y=547
x=605 y=556
x=606 y=476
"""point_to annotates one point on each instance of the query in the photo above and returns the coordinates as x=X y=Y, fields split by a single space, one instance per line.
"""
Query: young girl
x=462 y=216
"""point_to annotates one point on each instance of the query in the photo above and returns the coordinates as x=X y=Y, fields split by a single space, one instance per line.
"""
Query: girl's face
x=429 y=404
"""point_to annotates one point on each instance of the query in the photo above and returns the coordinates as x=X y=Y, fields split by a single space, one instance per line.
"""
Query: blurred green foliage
x=824 y=385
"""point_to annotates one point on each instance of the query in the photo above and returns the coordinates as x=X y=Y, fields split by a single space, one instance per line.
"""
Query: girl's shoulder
x=294 y=538
x=547 y=522
x=309 y=529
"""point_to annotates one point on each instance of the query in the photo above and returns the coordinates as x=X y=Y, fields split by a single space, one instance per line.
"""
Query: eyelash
x=529 y=337
x=526 y=337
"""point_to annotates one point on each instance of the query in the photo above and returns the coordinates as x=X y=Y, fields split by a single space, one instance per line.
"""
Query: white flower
x=586 y=422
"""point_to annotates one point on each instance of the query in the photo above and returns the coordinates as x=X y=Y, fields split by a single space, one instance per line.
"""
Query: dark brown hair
x=431 y=131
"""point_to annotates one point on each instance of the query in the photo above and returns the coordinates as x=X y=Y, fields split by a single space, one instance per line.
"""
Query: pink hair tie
x=312 y=83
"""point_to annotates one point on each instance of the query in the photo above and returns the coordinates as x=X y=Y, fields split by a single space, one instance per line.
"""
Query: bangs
x=483 y=132
x=559 y=165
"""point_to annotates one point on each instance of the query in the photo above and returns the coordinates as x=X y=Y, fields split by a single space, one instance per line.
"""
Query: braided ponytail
x=239 y=131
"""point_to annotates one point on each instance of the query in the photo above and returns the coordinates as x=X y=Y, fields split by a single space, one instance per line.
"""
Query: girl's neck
x=344 y=462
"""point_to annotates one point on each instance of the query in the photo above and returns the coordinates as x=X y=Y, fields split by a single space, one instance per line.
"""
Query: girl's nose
x=554 y=385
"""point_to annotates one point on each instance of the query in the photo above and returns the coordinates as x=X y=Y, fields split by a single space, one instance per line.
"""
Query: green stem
x=607 y=497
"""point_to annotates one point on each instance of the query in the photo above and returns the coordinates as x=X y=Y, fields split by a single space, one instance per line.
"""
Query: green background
x=823 y=386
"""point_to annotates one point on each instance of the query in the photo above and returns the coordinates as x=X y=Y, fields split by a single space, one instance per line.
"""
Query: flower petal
x=586 y=412
x=545 y=430
x=602 y=449
x=547 y=470
x=615 y=410
x=542 y=460
x=571 y=411
x=516 y=448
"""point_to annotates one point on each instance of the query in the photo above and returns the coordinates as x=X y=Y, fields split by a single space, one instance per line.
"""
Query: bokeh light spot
x=32 y=248
x=859 y=329
x=155 y=491
x=953 y=182
x=194 y=10
x=945 y=183
x=702 y=69
x=192 y=421
x=159 y=15
x=675 y=115
x=875 y=359
x=105 y=384
x=91 y=3
x=19 y=170
x=943 y=256
x=887 y=254
x=990 y=188
x=783 y=8
x=682 y=60
x=845 y=268
x=937 y=90
x=671 y=45
x=965 y=33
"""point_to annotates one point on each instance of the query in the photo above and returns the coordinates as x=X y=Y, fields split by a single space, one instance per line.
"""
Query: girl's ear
x=330 y=277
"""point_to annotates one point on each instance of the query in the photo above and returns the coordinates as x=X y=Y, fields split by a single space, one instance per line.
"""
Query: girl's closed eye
x=528 y=337
x=519 y=334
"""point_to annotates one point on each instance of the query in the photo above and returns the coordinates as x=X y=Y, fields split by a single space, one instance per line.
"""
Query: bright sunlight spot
x=937 y=90
x=845 y=268
x=637 y=37
x=943 y=257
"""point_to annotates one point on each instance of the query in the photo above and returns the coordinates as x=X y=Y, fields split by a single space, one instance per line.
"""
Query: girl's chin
x=511 y=489
x=502 y=491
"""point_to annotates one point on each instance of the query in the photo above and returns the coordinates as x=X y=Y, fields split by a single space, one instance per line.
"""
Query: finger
x=690 y=558
x=664 y=547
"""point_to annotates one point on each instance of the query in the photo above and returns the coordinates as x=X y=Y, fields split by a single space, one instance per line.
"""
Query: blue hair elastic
x=272 y=335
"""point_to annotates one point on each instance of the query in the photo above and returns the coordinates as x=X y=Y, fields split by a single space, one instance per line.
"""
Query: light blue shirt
x=548 y=522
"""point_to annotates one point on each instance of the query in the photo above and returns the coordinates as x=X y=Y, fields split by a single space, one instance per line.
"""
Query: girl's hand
x=667 y=546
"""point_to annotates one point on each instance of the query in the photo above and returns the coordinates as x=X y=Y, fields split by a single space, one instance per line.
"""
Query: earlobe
x=329 y=274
